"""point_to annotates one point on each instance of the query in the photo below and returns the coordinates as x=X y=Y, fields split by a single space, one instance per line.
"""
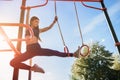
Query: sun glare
x=4 y=46
x=1 y=38
x=5 y=57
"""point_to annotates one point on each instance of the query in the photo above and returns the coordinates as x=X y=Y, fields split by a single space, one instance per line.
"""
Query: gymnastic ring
x=82 y=53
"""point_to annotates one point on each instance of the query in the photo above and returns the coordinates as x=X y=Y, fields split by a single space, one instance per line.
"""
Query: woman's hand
x=17 y=54
x=50 y=26
x=55 y=19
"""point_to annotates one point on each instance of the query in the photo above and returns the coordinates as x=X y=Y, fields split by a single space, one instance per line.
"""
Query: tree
x=95 y=66
x=116 y=62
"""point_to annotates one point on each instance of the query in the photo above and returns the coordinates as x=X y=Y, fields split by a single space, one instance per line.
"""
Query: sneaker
x=76 y=53
x=36 y=68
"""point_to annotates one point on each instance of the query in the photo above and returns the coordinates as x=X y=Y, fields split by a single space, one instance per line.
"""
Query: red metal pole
x=20 y=31
x=29 y=7
x=79 y=0
x=111 y=27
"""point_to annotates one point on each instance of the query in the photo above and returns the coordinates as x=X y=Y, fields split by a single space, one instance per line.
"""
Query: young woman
x=33 y=48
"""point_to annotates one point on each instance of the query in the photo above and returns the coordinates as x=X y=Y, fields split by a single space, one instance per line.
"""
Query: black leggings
x=34 y=50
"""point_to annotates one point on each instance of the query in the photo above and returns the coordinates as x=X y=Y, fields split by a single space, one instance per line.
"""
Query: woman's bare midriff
x=32 y=40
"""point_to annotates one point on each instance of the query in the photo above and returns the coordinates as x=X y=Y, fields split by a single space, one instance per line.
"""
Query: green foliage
x=95 y=66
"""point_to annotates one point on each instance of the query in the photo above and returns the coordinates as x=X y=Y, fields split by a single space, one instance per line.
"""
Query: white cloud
x=100 y=18
x=89 y=27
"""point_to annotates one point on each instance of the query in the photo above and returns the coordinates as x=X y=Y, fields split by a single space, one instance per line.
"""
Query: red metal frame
x=6 y=50
x=29 y=7
x=20 y=25
x=6 y=0
x=7 y=38
x=80 y=0
x=8 y=41
x=92 y=6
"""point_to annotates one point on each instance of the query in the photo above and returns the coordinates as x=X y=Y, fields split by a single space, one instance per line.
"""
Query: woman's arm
x=49 y=27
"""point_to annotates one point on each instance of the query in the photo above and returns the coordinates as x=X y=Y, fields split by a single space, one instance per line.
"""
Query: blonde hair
x=33 y=18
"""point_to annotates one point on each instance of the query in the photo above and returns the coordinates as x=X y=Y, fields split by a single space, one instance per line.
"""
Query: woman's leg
x=36 y=48
x=50 y=52
x=17 y=61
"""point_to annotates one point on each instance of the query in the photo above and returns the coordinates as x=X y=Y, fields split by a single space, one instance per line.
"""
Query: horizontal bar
x=8 y=40
x=80 y=0
x=14 y=24
x=29 y=7
x=6 y=50
x=18 y=39
x=92 y=7
x=6 y=0
x=20 y=25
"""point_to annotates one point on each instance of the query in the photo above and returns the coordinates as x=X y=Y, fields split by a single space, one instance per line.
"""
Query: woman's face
x=35 y=23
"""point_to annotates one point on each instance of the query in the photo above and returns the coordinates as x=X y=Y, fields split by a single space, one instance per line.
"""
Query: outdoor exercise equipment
x=111 y=27
x=63 y=41
x=28 y=8
x=5 y=50
x=10 y=41
x=84 y=49
x=106 y=15
x=16 y=71
x=23 y=8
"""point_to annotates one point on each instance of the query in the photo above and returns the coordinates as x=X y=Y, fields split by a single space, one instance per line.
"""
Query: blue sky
x=93 y=24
